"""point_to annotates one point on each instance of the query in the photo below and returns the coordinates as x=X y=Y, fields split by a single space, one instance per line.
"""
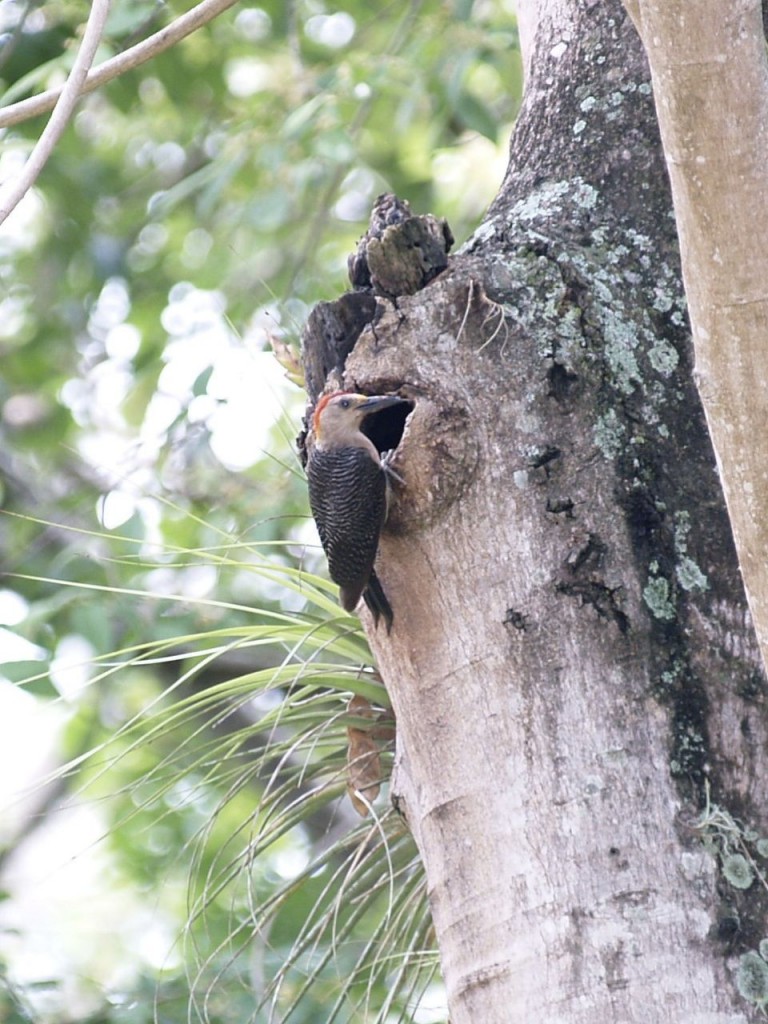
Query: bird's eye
x=344 y=403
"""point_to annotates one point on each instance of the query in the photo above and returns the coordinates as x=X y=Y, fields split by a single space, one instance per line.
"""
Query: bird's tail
x=377 y=602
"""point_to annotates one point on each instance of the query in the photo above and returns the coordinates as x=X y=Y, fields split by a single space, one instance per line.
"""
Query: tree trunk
x=572 y=664
x=710 y=80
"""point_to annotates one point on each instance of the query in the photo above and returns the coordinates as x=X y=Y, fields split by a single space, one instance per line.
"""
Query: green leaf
x=476 y=115
x=32 y=676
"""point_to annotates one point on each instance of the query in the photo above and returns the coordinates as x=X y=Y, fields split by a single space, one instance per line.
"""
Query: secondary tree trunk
x=572 y=664
x=710 y=79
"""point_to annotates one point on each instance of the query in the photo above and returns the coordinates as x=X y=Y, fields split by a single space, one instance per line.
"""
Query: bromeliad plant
x=222 y=762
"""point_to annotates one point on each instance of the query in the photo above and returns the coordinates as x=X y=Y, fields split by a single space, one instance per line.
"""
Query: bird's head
x=338 y=417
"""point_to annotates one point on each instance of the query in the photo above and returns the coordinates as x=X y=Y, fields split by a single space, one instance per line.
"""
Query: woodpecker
x=349 y=490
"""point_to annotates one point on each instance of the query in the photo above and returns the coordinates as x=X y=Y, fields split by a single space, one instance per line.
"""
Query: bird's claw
x=386 y=459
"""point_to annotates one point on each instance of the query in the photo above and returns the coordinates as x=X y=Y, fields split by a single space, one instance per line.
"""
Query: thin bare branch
x=167 y=37
x=13 y=191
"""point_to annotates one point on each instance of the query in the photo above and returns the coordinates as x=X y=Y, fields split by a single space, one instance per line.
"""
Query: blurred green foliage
x=194 y=209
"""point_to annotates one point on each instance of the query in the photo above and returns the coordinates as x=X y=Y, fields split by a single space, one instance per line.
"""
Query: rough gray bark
x=572 y=664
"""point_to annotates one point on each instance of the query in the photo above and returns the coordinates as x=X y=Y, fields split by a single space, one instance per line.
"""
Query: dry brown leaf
x=363 y=759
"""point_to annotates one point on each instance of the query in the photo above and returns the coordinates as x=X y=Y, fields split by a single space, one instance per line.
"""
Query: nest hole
x=385 y=428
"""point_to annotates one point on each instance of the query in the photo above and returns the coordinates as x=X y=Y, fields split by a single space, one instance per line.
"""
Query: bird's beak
x=378 y=402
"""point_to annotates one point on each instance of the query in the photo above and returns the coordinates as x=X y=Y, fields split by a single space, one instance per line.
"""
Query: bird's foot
x=386 y=459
